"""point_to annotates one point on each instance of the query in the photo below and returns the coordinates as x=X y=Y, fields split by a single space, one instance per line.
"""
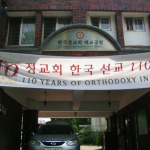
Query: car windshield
x=55 y=129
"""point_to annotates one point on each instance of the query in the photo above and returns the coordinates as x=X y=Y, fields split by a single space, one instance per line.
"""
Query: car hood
x=54 y=137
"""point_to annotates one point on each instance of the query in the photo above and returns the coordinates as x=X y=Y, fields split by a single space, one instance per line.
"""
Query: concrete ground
x=86 y=147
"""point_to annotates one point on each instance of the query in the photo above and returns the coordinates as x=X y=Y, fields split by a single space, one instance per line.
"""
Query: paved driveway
x=91 y=148
x=85 y=148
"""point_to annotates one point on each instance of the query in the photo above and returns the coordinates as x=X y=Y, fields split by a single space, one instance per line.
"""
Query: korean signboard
x=79 y=40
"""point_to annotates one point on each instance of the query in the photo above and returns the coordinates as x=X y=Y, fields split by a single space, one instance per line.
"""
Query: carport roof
x=64 y=103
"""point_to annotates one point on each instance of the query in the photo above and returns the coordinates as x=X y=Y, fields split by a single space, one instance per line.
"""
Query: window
x=138 y=24
x=52 y=24
x=142 y=121
x=21 y=31
x=28 y=31
x=55 y=129
x=95 y=22
x=49 y=26
x=129 y=23
x=102 y=22
x=135 y=24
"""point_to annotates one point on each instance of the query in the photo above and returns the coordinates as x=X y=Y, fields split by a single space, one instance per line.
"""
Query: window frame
x=56 y=25
x=21 y=28
x=8 y=29
x=20 y=34
x=126 y=22
x=145 y=110
x=133 y=23
x=99 y=20
x=109 y=23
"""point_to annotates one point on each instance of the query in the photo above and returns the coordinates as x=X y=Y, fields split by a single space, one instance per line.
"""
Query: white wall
x=112 y=32
x=98 y=124
x=136 y=38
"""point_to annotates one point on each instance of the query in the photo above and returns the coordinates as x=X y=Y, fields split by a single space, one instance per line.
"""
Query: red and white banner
x=75 y=73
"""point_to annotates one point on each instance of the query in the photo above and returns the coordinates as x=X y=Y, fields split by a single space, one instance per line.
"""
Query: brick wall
x=78 y=8
x=98 y=5
x=38 y=29
x=3 y=26
x=119 y=29
x=10 y=124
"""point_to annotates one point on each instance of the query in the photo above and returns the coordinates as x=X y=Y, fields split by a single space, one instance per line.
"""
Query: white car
x=54 y=135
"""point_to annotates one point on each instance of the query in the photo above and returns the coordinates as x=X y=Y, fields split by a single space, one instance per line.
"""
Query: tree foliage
x=75 y=122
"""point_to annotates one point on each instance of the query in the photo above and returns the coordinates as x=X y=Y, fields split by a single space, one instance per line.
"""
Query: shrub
x=90 y=137
x=99 y=139
x=86 y=140
x=94 y=136
x=86 y=131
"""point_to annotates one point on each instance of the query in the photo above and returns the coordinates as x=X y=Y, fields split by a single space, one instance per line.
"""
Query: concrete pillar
x=30 y=117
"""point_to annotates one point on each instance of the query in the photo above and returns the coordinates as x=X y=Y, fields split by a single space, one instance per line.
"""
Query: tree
x=75 y=122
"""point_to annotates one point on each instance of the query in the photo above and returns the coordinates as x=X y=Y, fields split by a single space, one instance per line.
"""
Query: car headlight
x=34 y=142
x=73 y=142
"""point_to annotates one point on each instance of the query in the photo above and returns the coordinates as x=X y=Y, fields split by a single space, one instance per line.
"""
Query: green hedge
x=90 y=137
x=99 y=139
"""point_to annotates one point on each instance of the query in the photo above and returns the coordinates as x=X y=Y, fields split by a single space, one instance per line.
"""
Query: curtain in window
x=49 y=26
x=138 y=24
x=28 y=31
x=129 y=23
x=105 y=23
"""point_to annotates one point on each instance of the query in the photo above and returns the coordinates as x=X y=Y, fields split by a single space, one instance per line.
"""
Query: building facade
x=26 y=25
